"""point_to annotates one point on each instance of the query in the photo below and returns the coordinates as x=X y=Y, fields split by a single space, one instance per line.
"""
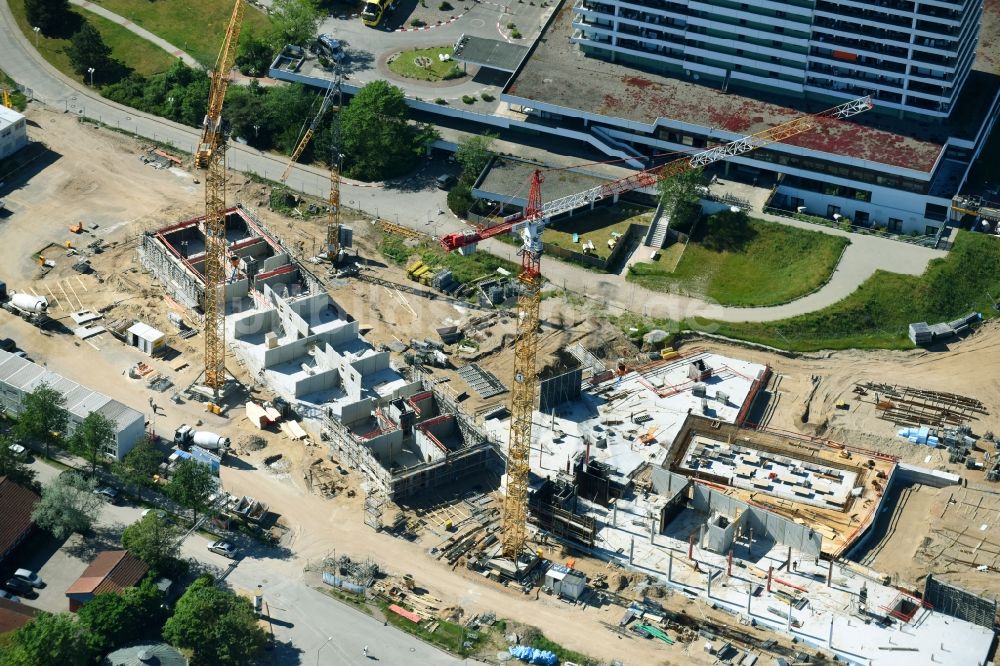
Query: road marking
x=81 y=283
x=65 y=294
x=75 y=295
x=54 y=299
x=400 y=296
x=92 y=344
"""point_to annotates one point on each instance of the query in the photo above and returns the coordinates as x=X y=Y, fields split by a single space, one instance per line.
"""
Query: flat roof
x=509 y=179
x=145 y=331
x=491 y=53
x=9 y=116
x=556 y=70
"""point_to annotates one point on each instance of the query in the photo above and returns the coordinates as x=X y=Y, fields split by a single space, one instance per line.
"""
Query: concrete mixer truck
x=31 y=308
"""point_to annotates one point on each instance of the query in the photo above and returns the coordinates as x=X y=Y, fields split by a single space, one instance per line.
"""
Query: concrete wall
x=928 y=477
x=321 y=381
x=764 y=523
x=429 y=451
x=386 y=447
x=356 y=411
x=668 y=483
x=254 y=323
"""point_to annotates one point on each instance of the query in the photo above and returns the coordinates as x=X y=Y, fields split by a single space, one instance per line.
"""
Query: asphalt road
x=309 y=627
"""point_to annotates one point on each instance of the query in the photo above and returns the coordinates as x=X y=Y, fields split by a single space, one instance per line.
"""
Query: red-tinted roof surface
x=13 y=615
x=111 y=571
x=17 y=503
x=558 y=73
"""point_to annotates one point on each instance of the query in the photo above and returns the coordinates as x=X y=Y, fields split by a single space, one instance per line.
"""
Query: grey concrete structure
x=13 y=132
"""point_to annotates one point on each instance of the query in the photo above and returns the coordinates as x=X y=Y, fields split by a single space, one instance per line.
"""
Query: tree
x=474 y=154
x=139 y=465
x=191 y=485
x=294 y=22
x=218 y=626
x=87 y=49
x=253 y=54
x=460 y=198
x=376 y=140
x=68 y=505
x=46 y=14
x=49 y=639
x=13 y=467
x=684 y=188
x=43 y=418
x=154 y=541
x=114 y=619
x=93 y=437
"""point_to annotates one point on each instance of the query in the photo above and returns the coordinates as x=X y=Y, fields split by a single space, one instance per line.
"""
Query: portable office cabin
x=565 y=582
x=146 y=338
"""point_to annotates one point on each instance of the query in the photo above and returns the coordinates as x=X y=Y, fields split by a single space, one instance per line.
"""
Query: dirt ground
x=95 y=177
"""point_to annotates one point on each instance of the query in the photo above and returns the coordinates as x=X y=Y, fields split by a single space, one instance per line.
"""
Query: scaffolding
x=374 y=508
x=904 y=405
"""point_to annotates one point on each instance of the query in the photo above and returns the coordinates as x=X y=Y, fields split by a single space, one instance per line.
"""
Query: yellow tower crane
x=211 y=155
x=332 y=95
x=529 y=226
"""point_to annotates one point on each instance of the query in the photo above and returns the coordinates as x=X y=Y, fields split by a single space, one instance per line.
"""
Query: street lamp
x=321 y=649
x=37 y=30
x=91 y=70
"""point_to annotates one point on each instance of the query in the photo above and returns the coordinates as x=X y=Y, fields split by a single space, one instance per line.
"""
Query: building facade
x=18 y=377
x=13 y=132
x=912 y=57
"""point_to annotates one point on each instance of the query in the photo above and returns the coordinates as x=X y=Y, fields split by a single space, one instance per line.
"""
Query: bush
x=515 y=34
x=460 y=199
x=417 y=23
x=468 y=99
x=511 y=26
x=441 y=100
x=445 y=6
x=454 y=73
x=486 y=97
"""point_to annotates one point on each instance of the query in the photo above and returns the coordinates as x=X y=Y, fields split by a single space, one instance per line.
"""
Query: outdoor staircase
x=657 y=233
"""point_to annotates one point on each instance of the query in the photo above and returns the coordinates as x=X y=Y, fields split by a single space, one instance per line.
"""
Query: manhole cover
x=422 y=61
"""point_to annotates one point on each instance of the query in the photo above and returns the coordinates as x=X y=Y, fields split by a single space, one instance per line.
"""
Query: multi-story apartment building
x=912 y=57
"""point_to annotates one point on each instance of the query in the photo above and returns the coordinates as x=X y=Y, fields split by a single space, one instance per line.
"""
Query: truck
x=374 y=11
x=185 y=437
x=31 y=308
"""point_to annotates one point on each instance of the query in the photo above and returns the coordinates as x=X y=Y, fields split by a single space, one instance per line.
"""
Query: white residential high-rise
x=910 y=56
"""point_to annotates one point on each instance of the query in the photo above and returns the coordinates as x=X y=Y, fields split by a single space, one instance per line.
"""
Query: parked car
x=108 y=493
x=20 y=587
x=4 y=594
x=223 y=548
x=162 y=515
x=8 y=345
x=30 y=577
x=446 y=182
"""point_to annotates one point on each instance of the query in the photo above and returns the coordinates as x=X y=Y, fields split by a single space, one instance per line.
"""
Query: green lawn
x=877 y=315
x=434 y=69
x=194 y=26
x=464 y=268
x=755 y=263
x=17 y=99
x=130 y=49
x=597 y=226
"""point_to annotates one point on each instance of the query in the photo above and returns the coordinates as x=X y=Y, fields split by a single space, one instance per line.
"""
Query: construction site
x=683 y=501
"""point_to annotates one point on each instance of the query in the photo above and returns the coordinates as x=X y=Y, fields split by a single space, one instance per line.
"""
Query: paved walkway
x=132 y=27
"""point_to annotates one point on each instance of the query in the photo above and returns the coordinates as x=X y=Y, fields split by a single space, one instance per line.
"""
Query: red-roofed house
x=15 y=520
x=14 y=615
x=111 y=571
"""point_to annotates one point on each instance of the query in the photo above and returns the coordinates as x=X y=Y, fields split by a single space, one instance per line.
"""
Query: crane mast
x=336 y=159
x=211 y=155
x=530 y=225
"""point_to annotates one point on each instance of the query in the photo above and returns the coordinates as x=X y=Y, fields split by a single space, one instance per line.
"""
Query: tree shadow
x=284 y=653
x=725 y=232
x=355 y=60
x=95 y=541
x=65 y=26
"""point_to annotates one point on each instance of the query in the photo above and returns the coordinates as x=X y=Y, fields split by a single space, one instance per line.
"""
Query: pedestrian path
x=141 y=32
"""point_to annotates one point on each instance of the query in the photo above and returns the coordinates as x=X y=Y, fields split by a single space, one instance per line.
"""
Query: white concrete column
x=670 y=565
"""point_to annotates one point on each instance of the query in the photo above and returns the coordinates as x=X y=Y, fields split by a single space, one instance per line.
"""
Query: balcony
x=847 y=73
x=879 y=15
x=861 y=29
x=830 y=39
